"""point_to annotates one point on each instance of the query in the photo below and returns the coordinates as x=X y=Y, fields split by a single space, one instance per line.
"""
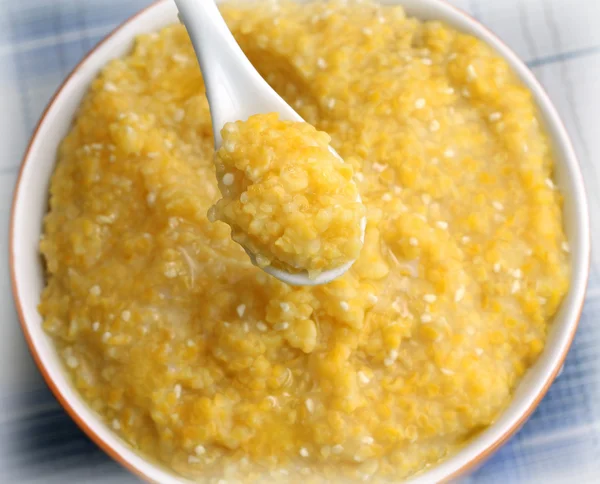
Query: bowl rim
x=469 y=465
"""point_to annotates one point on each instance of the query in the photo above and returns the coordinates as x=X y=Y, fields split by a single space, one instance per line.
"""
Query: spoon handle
x=235 y=90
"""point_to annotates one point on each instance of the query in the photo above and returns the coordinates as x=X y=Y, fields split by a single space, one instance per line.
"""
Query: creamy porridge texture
x=288 y=199
x=203 y=361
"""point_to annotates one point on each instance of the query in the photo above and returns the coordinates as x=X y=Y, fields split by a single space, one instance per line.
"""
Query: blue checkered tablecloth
x=41 y=41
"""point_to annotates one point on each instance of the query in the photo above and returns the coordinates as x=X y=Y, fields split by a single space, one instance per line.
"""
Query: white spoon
x=236 y=91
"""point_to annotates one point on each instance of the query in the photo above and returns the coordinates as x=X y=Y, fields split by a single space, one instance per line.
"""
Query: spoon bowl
x=235 y=91
x=301 y=278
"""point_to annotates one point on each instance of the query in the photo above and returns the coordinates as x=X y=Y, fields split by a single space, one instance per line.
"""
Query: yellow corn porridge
x=204 y=362
x=288 y=200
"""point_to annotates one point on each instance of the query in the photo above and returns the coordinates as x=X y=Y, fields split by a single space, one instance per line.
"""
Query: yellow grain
x=205 y=362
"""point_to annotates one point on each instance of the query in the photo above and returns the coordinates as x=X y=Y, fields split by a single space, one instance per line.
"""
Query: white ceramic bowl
x=30 y=205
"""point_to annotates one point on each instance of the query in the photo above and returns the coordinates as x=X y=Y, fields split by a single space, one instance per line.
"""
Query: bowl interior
x=30 y=205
